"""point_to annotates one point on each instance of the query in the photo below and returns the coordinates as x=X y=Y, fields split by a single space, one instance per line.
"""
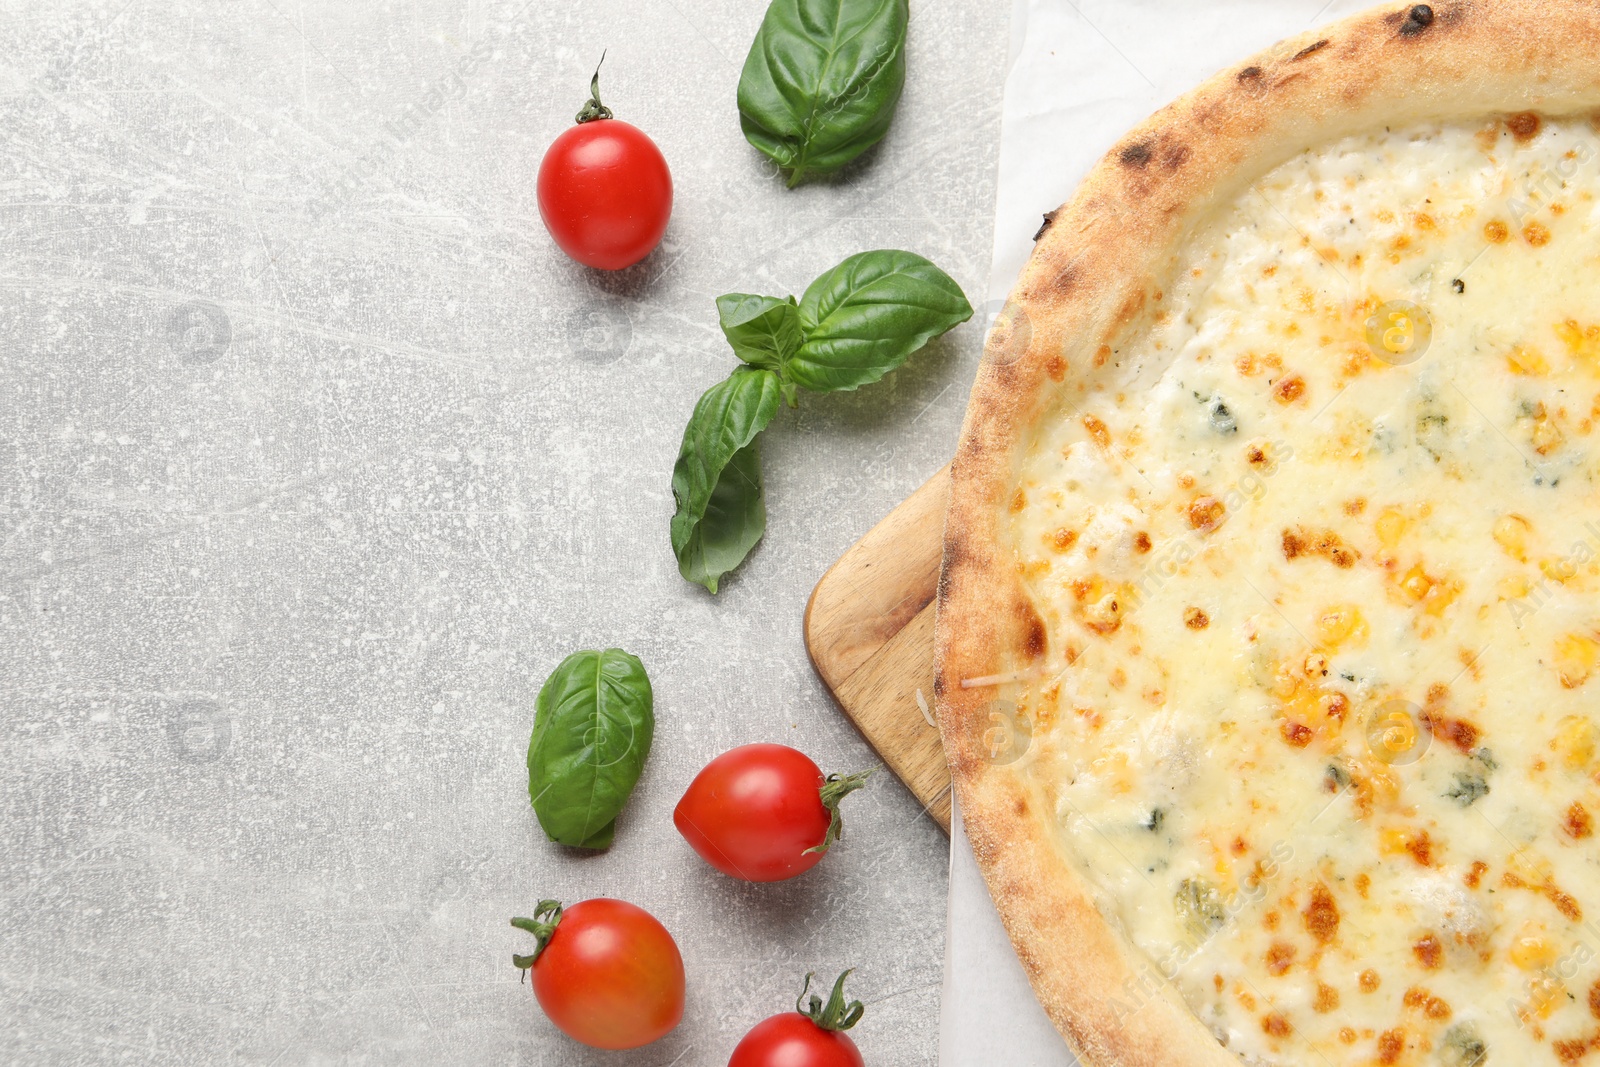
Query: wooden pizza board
x=869 y=629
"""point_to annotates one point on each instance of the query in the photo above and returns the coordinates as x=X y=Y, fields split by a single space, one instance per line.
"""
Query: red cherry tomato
x=605 y=972
x=605 y=193
x=763 y=812
x=813 y=1037
x=792 y=1040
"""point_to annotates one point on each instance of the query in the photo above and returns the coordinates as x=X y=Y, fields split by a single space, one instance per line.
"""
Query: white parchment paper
x=1081 y=75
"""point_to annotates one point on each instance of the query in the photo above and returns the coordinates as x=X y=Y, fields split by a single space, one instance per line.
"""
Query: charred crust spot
x=1065 y=280
x=1132 y=306
x=1419 y=18
x=1206 y=513
x=1429 y=951
x=1295 y=734
x=1309 y=49
x=1035 y=639
x=1523 y=126
x=1421 y=849
x=1325 y=543
x=1049 y=218
x=1327 y=999
x=1579 y=823
x=1136 y=155
x=1474 y=876
x=1174 y=155
x=1280 y=957
x=1457 y=732
x=938 y=685
x=1565 y=903
x=1141 y=542
x=955 y=552
x=1337 y=705
x=1322 y=915
x=1570 y=1051
x=1196 y=618
x=1250 y=74
x=1418 y=998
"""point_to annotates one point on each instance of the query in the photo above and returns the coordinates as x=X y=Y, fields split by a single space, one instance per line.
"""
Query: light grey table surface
x=316 y=456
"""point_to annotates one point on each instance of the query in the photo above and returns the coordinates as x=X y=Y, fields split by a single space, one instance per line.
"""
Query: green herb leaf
x=822 y=80
x=864 y=317
x=763 y=330
x=717 y=479
x=592 y=729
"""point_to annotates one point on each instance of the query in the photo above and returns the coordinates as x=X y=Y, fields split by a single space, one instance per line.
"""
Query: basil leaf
x=864 y=317
x=763 y=330
x=821 y=82
x=717 y=479
x=592 y=729
x=735 y=519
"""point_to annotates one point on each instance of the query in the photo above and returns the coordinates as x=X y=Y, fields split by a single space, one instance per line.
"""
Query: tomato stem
x=834 y=789
x=837 y=1013
x=546 y=917
x=594 y=109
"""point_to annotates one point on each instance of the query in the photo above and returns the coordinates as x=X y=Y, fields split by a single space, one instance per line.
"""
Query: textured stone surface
x=315 y=458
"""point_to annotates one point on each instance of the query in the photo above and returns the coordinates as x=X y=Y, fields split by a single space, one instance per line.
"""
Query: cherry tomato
x=763 y=812
x=605 y=193
x=810 y=1036
x=605 y=972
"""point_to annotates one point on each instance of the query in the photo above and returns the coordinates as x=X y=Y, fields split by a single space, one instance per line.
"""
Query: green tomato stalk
x=594 y=109
x=837 y=1013
x=834 y=789
x=546 y=917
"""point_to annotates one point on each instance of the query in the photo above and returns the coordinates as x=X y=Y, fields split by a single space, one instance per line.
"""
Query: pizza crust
x=1098 y=269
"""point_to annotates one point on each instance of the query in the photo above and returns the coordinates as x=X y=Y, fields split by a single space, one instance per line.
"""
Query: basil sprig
x=822 y=80
x=592 y=728
x=856 y=323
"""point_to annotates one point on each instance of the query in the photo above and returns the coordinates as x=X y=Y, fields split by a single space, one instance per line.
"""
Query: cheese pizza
x=1269 y=626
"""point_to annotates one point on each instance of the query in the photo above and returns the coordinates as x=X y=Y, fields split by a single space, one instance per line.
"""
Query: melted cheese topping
x=1317 y=554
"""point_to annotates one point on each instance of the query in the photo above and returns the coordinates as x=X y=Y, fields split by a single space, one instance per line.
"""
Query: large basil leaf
x=864 y=317
x=821 y=82
x=763 y=330
x=592 y=729
x=717 y=479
